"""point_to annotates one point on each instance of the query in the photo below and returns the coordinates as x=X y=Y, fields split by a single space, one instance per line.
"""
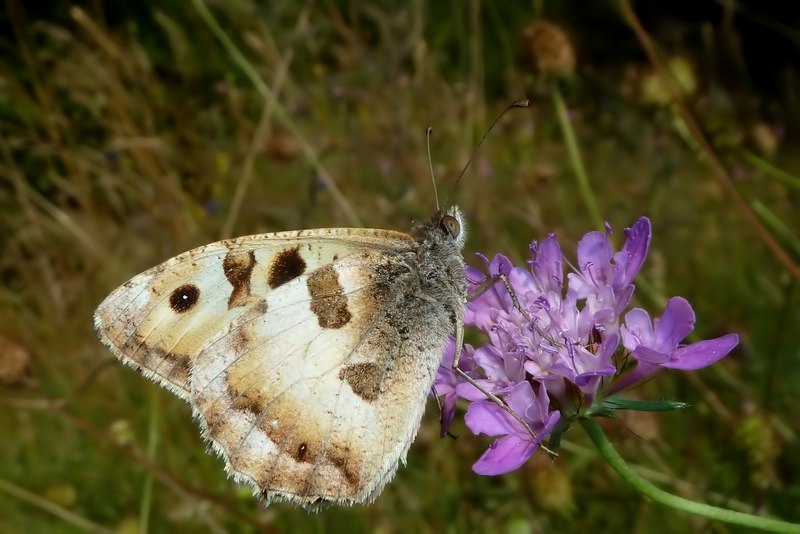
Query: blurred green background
x=129 y=133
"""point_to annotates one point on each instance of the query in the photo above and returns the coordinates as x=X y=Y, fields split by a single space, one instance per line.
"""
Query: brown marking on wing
x=171 y=366
x=327 y=298
x=240 y=337
x=238 y=266
x=259 y=308
x=246 y=401
x=179 y=374
x=215 y=416
x=364 y=379
x=276 y=415
x=296 y=431
x=286 y=266
x=341 y=458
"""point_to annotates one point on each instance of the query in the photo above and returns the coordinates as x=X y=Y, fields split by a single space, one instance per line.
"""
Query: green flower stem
x=575 y=158
x=673 y=501
x=152 y=448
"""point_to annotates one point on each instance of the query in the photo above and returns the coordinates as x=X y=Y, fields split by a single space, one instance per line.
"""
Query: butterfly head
x=451 y=221
x=445 y=226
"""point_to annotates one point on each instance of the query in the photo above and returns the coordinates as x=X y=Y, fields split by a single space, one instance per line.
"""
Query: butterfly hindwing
x=316 y=393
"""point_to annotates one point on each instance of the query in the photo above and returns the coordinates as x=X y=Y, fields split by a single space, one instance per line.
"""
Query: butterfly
x=306 y=356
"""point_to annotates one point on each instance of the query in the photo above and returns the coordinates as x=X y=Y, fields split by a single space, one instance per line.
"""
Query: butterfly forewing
x=158 y=321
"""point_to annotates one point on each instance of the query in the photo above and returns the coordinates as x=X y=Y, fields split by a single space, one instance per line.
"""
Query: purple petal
x=648 y=355
x=448 y=413
x=492 y=361
x=476 y=276
x=630 y=259
x=607 y=348
x=521 y=399
x=594 y=249
x=512 y=451
x=445 y=381
x=703 y=353
x=637 y=330
x=506 y=454
x=500 y=265
x=546 y=264
x=486 y=417
x=674 y=325
x=632 y=377
x=467 y=391
x=448 y=353
x=523 y=282
x=584 y=378
x=624 y=298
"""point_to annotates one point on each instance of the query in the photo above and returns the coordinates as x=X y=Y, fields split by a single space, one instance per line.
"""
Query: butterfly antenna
x=430 y=166
x=524 y=103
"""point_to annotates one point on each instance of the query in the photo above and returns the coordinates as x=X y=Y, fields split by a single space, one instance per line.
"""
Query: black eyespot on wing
x=450 y=225
x=184 y=298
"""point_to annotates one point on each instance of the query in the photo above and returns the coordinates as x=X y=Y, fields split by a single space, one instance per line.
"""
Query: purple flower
x=562 y=345
x=516 y=444
x=608 y=285
x=447 y=381
x=657 y=346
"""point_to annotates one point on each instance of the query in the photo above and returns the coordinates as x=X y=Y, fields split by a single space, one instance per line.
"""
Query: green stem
x=575 y=158
x=660 y=496
x=771 y=170
x=152 y=447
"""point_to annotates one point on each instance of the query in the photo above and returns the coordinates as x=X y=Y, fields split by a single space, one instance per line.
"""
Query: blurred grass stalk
x=280 y=113
x=150 y=452
x=771 y=170
x=69 y=517
x=719 y=170
x=575 y=158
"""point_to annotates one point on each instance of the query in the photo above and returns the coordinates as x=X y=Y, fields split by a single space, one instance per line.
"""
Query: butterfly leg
x=492 y=280
x=500 y=277
x=489 y=395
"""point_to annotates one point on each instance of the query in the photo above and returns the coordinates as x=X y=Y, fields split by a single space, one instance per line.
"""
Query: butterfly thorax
x=439 y=262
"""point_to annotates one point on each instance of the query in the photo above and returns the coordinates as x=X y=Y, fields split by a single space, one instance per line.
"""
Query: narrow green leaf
x=619 y=403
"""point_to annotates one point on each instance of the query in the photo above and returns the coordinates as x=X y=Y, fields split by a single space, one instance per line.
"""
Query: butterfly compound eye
x=451 y=225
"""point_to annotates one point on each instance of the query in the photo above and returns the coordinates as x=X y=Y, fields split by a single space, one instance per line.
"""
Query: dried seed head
x=14 y=362
x=655 y=90
x=548 y=49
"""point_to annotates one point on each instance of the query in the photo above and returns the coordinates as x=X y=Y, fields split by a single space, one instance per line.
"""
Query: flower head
x=553 y=348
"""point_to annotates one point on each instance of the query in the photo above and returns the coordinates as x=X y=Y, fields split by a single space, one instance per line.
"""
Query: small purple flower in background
x=567 y=347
